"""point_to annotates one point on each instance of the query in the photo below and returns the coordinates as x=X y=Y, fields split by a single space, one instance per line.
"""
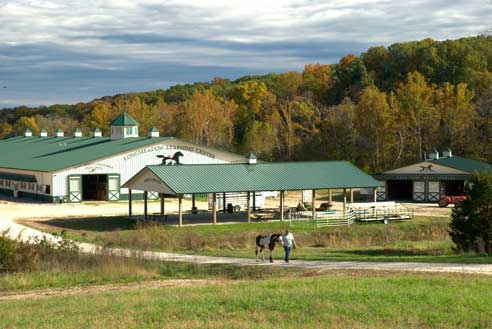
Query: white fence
x=322 y=219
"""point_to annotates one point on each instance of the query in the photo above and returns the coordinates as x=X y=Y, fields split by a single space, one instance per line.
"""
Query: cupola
x=251 y=158
x=28 y=133
x=434 y=154
x=77 y=132
x=97 y=132
x=124 y=126
x=153 y=132
x=59 y=133
x=43 y=133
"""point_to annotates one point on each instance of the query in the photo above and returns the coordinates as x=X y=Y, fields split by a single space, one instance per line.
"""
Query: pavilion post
x=351 y=195
x=129 y=202
x=224 y=203
x=162 y=205
x=314 y=205
x=193 y=201
x=330 y=196
x=254 y=201
x=146 y=196
x=375 y=194
x=281 y=205
x=214 y=208
x=180 y=210
x=344 y=199
x=248 y=207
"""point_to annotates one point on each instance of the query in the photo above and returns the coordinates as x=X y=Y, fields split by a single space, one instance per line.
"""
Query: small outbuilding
x=426 y=181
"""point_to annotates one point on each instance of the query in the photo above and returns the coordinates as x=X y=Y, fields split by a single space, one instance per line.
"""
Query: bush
x=17 y=255
x=471 y=222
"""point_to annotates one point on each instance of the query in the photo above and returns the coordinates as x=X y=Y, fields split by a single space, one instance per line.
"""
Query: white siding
x=129 y=163
x=42 y=178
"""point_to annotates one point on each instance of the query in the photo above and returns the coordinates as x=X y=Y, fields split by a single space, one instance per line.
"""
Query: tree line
x=382 y=109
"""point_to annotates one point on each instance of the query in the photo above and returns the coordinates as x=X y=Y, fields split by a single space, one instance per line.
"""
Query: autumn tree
x=26 y=123
x=458 y=116
x=318 y=80
x=208 y=120
x=418 y=116
x=374 y=124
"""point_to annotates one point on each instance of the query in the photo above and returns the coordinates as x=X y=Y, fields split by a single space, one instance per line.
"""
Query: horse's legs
x=271 y=259
x=256 y=253
x=262 y=255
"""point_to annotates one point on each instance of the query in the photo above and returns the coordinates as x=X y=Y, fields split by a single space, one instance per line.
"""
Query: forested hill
x=381 y=109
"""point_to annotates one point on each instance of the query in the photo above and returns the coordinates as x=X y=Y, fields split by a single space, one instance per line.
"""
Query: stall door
x=75 y=188
x=433 y=191
x=418 y=191
x=113 y=187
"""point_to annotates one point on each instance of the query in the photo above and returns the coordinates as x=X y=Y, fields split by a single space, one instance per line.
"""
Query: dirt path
x=7 y=216
x=62 y=292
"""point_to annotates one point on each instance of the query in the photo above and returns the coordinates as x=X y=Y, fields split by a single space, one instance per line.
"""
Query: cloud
x=71 y=50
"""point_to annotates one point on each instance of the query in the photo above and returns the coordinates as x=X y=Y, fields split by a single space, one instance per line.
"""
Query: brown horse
x=264 y=241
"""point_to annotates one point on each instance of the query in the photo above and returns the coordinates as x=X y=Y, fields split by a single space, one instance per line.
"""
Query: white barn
x=78 y=168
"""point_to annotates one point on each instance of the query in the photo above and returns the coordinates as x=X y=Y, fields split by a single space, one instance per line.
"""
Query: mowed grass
x=423 y=239
x=334 y=300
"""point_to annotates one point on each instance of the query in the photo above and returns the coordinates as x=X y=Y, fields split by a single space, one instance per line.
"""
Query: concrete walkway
x=17 y=230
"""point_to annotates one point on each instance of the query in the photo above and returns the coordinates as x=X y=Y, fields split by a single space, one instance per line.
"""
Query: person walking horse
x=289 y=242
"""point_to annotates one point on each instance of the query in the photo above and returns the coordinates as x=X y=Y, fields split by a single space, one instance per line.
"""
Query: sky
x=70 y=51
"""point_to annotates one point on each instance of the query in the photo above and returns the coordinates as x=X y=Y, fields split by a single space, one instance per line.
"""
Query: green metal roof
x=463 y=164
x=124 y=119
x=18 y=177
x=59 y=130
x=56 y=153
x=154 y=130
x=275 y=176
x=77 y=130
x=251 y=156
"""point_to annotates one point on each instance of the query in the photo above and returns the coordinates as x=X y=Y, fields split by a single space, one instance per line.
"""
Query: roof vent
x=28 y=133
x=43 y=133
x=77 y=132
x=59 y=133
x=434 y=154
x=153 y=132
x=251 y=158
x=447 y=153
x=97 y=132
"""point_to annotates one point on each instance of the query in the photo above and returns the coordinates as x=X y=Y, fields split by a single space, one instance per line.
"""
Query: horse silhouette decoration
x=167 y=160
x=426 y=168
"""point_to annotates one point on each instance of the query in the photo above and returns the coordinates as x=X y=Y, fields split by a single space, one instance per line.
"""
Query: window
x=32 y=187
x=1 y=182
x=23 y=185
x=47 y=189
x=113 y=184
x=7 y=183
x=129 y=130
x=74 y=185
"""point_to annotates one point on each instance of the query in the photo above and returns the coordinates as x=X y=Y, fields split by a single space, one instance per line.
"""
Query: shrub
x=17 y=255
x=471 y=222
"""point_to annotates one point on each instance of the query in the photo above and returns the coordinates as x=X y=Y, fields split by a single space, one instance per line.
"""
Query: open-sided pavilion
x=251 y=177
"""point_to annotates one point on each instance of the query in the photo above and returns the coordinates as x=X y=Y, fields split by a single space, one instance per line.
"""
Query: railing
x=322 y=219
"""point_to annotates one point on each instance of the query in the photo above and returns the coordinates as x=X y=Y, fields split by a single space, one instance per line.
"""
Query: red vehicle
x=449 y=199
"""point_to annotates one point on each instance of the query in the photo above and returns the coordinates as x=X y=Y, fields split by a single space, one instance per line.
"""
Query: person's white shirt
x=288 y=240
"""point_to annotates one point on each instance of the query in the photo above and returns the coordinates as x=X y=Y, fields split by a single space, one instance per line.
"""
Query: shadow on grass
x=96 y=224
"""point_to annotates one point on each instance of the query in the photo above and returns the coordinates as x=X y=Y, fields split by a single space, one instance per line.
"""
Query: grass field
x=334 y=300
x=423 y=239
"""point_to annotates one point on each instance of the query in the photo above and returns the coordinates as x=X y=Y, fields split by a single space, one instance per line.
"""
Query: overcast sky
x=68 y=51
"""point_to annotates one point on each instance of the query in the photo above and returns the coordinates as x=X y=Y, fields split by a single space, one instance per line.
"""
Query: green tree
x=471 y=222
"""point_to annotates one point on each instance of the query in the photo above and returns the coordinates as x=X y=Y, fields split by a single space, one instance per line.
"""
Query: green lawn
x=423 y=239
x=335 y=300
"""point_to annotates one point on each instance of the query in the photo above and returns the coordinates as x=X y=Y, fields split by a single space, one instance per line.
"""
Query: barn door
x=433 y=191
x=113 y=187
x=75 y=188
x=418 y=191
